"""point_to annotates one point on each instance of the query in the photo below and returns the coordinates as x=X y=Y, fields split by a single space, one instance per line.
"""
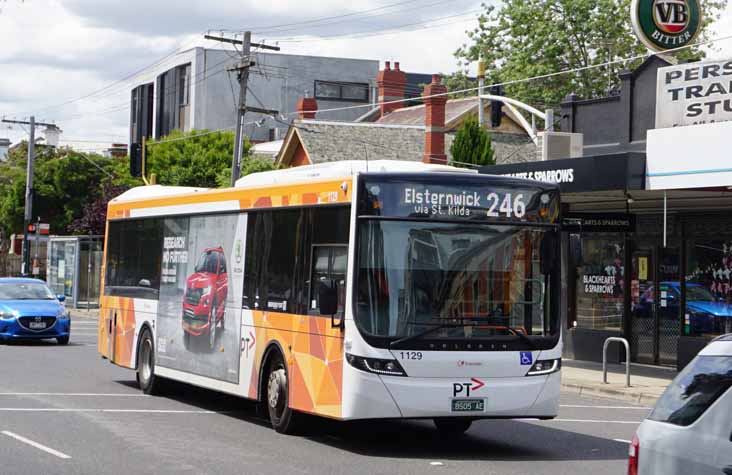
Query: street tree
x=472 y=145
x=198 y=158
x=519 y=39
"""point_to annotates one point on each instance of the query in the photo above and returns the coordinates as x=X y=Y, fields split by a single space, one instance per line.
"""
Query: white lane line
x=49 y=450
x=595 y=421
x=78 y=394
x=623 y=441
x=579 y=406
x=123 y=411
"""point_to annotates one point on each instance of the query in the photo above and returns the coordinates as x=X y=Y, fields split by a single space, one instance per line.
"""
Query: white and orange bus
x=350 y=290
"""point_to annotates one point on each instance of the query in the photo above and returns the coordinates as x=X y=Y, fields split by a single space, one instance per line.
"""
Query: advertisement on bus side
x=199 y=316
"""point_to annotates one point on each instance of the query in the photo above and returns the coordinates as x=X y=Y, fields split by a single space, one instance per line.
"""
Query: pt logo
x=666 y=24
x=464 y=389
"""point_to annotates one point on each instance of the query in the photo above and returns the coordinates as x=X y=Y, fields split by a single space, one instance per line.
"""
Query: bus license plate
x=37 y=325
x=468 y=405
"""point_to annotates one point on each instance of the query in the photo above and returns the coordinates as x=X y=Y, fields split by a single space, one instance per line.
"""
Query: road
x=65 y=410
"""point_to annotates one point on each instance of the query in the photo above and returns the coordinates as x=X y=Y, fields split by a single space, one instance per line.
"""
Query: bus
x=349 y=290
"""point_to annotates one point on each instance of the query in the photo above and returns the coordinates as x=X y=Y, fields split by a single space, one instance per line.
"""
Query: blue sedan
x=30 y=311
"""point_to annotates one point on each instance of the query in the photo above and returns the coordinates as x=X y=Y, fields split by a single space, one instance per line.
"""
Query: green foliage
x=472 y=145
x=198 y=158
x=459 y=81
x=522 y=39
x=64 y=182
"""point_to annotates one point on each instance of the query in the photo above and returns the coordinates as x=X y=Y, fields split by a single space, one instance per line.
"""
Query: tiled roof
x=414 y=115
x=327 y=141
x=336 y=141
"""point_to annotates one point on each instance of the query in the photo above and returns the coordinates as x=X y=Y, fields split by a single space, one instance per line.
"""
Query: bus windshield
x=484 y=278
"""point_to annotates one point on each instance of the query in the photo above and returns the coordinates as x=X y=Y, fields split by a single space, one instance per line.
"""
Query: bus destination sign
x=480 y=200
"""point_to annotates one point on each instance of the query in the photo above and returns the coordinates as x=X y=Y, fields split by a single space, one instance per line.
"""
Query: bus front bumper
x=411 y=397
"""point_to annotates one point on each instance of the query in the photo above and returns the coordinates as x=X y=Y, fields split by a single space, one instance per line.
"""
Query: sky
x=72 y=62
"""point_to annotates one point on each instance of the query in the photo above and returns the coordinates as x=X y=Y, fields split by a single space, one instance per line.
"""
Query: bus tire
x=452 y=426
x=282 y=417
x=186 y=340
x=146 y=379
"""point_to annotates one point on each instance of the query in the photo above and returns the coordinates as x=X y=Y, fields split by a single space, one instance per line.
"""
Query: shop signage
x=574 y=175
x=599 y=284
x=604 y=222
x=666 y=24
x=694 y=93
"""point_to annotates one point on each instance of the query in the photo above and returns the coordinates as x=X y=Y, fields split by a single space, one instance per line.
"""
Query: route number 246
x=510 y=206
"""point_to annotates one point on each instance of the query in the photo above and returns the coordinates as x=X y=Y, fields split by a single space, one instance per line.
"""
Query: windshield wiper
x=453 y=323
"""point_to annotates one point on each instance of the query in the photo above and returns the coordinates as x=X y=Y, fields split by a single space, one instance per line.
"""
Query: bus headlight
x=543 y=367
x=376 y=365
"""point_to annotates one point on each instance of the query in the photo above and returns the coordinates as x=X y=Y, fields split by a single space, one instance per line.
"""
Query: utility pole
x=28 y=215
x=242 y=70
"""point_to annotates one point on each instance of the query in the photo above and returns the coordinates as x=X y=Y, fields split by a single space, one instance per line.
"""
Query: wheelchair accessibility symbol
x=527 y=359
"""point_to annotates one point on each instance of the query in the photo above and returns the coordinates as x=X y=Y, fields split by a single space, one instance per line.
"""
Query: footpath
x=579 y=377
x=647 y=383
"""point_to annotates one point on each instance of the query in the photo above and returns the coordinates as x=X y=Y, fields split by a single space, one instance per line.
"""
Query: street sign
x=666 y=24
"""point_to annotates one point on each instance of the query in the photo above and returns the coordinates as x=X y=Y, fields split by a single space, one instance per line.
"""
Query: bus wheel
x=212 y=327
x=452 y=427
x=282 y=417
x=146 y=379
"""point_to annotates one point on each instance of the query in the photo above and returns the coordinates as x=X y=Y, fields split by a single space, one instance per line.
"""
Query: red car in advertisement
x=204 y=300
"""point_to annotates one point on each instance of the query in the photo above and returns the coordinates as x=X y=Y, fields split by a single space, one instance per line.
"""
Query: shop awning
x=695 y=156
x=622 y=171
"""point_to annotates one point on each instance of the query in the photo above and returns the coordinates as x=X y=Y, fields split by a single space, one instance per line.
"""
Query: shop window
x=601 y=283
x=708 y=310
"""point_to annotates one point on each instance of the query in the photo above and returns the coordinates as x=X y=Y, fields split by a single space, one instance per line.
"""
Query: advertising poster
x=199 y=313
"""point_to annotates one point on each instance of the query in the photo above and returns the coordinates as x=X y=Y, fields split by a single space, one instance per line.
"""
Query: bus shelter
x=74 y=269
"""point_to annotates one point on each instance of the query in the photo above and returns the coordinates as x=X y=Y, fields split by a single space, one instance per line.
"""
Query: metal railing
x=627 y=359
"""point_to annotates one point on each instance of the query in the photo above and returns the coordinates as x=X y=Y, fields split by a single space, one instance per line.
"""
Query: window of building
x=134 y=255
x=601 y=282
x=708 y=287
x=341 y=91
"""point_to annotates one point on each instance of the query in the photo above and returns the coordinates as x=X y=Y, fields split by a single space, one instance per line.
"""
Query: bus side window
x=329 y=264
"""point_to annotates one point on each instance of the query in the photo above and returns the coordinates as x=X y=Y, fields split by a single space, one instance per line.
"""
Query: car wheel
x=452 y=427
x=212 y=327
x=63 y=340
x=146 y=379
x=284 y=420
x=223 y=318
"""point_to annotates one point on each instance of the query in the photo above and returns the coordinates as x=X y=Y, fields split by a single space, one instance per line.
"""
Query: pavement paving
x=65 y=410
x=647 y=383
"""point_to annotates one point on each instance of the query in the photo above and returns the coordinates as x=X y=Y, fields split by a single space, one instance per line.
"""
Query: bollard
x=627 y=359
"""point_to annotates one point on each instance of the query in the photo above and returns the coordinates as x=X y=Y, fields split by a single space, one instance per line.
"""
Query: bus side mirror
x=549 y=252
x=575 y=249
x=328 y=302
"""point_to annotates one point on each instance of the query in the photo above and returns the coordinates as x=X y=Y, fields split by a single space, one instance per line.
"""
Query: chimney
x=307 y=107
x=391 y=83
x=434 y=122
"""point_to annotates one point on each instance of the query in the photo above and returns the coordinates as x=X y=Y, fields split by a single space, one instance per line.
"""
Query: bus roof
x=343 y=169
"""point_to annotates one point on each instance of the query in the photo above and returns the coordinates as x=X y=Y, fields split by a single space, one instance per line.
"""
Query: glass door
x=643 y=306
x=668 y=305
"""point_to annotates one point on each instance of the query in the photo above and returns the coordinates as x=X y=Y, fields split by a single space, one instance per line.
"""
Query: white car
x=689 y=431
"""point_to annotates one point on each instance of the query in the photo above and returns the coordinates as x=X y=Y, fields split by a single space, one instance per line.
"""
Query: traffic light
x=31 y=228
x=136 y=160
x=496 y=106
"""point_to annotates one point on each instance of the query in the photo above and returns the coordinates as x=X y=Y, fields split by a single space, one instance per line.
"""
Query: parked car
x=30 y=311
x=690 y=429
x=707 y=314
x=204 y=301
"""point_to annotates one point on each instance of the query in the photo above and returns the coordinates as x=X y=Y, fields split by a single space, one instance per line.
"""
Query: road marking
x=78 y=394
x=623 y=441
x=579 y=406
x=49 y=450
x=131 y=411
x=596 y=421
